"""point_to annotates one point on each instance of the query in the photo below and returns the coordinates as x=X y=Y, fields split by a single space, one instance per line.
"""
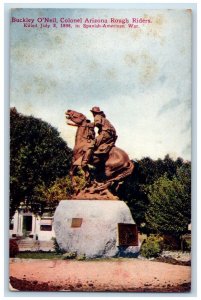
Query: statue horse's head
x=75 y=117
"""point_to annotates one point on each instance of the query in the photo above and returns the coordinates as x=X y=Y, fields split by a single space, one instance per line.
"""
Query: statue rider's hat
x=96 y=109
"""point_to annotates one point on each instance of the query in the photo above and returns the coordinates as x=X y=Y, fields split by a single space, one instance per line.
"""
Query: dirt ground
x=132 y=275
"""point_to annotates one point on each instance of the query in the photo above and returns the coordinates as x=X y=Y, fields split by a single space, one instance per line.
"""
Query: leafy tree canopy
x=61 y=189
x=38 y=156
x=169 y=210
x=147 y=171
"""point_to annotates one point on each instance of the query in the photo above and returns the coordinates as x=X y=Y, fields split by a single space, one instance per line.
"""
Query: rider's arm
x=98 y=121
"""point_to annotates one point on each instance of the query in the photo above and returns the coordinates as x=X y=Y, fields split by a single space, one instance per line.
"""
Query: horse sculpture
x=108 y=169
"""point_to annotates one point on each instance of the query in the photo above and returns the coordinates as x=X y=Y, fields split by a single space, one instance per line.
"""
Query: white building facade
x=28 y=225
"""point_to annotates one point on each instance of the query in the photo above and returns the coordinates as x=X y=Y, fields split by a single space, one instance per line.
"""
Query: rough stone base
x=90 y=228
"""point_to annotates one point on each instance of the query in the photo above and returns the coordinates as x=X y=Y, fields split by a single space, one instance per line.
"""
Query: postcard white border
x=4 y=109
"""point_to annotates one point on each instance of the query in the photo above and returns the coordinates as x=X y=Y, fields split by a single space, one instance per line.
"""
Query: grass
x=53 y=255
x=39 y=255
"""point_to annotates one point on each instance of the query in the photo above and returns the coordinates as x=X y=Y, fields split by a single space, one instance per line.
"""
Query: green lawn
x=39 y=255
x=50 y=255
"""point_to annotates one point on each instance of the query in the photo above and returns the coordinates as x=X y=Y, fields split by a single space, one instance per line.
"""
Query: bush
x=57 y=248
x=152 y=246
x=81 y=257
x=13 y=248
x=186 y=243
x=70 y=255
x=171 y=242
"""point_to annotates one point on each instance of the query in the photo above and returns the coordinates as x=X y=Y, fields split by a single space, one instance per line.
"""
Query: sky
x=140 y=78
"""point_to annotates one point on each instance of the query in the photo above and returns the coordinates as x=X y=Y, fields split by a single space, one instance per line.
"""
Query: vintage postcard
x=100 y=150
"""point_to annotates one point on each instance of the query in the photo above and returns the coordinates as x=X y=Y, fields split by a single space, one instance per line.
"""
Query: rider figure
x=106 y=132
x=106 y=136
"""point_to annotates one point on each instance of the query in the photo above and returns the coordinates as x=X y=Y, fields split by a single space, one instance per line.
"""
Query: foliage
x=57 y=248
x=134 y=191
x=171 y=242
x=131 y=192
x=81 y=257
x=80 y=181
x=151 y=170
x=169 y=211
x=13 y=248
x=152 y=246
x=61 y=189
x=39 y=255
x=187 y=245
x=38 y=156
x=69 y=255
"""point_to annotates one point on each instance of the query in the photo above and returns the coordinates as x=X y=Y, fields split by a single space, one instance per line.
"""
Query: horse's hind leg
x=108 y=171
x=86 y=174
x=119 y=174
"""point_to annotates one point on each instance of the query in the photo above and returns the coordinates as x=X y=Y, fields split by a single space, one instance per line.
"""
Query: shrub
x=171 y=242
x=69 y=255
x=186 y=243
x=152 y=246
x=81 y=257
x=13 y=248
x=57 y=248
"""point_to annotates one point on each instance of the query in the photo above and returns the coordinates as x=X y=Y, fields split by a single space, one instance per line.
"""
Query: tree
x=61 y=189
x=38 y=156
x=134 y=189
x=151 y=170
x=169 y=211
x=132 y=193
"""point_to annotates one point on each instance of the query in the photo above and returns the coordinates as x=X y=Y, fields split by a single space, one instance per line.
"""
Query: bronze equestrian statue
x=110 y=163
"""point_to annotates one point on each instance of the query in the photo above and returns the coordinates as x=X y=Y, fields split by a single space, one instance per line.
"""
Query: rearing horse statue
x=109 y=169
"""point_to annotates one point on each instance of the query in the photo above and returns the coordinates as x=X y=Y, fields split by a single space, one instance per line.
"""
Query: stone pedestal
x=99 y=228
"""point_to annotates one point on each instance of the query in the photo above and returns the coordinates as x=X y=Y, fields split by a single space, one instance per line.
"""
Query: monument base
x=99 y=228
